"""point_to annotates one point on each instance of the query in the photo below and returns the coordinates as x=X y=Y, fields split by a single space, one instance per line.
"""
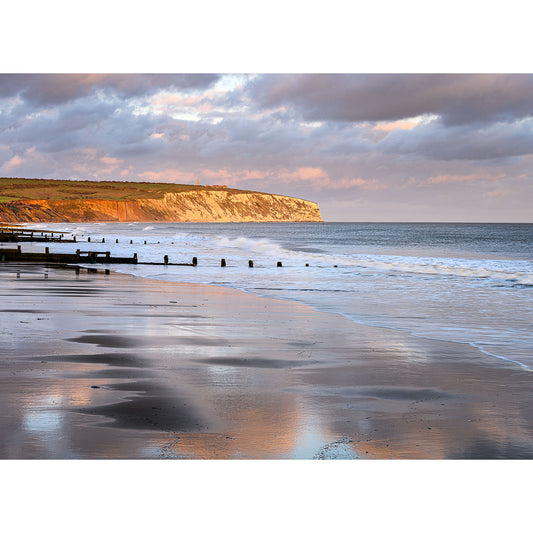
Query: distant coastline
x=43 y=200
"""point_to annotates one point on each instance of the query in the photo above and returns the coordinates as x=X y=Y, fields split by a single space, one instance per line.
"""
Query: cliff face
x=187 y=206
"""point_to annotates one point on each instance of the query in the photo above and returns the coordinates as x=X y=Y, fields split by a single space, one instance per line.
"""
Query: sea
x=470 y=284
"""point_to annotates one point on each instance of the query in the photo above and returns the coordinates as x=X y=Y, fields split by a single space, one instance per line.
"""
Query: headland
x=45 y=200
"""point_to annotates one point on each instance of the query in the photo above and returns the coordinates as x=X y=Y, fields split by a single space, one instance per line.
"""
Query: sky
x=366 y=147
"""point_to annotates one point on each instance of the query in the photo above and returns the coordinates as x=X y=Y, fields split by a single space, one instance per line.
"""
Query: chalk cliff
x=196 y=205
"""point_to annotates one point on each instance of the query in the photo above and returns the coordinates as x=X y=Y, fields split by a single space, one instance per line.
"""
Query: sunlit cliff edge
x=29 y=200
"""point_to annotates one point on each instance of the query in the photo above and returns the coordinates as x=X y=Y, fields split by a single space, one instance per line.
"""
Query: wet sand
x=113 y=366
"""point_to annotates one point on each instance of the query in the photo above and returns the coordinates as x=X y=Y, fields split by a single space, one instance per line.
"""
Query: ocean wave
x=210 y=248
x=520 y=272
x=262 y=246
x=511 y=271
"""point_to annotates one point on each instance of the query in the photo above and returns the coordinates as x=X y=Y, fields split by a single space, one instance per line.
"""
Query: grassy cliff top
x=19 y=189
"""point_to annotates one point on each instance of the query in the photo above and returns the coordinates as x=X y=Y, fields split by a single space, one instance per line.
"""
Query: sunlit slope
x=36 y=200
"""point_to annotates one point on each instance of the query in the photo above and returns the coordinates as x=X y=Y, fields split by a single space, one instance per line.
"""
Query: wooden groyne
x=28 y=235
x=81 y=256
x=16 y=234
x=16 y=255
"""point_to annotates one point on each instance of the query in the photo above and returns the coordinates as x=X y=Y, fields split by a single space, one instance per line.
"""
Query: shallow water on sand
x=97 y=366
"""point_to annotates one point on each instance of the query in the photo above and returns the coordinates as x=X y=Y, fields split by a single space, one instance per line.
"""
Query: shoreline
x=142 y=368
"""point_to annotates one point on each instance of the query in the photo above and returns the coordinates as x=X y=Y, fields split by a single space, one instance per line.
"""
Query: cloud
x=457 y=178
x=475 y=142
x=498 y=193
x=315 y=178
x=111 y=164
x=319 y=179
x=53 y=89
x=13 y=163
x=456 y=98
x=387 y=127
x=168 y=175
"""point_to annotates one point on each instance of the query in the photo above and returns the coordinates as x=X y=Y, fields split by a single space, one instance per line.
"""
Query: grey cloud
x=54 y=130
x=457 y=98
x=435 y=142
x=50 y=89
x=263 y=142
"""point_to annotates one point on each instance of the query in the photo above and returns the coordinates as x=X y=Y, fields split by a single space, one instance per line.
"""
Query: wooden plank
x=7 y=254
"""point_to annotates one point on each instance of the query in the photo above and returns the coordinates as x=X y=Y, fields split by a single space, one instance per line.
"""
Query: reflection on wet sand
x=119 y=367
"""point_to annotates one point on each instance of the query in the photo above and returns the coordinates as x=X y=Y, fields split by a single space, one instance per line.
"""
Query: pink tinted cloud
x=18 y=161
x=451 y=178
x=307 y=174
x=498 y=193
x=169 y=103
x=13 y=163
x=368 y=185
x=218 y=174
x=170 y=175
x=387 y=127
x=111 y=164
x=315 y=177
x=314 y=174
x=320 y=180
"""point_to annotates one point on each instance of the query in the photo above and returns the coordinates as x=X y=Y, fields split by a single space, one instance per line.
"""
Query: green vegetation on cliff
x=17 y=189
x=43 y=200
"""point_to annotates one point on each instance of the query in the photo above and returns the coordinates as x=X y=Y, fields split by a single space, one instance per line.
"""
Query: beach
x=115 y=366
